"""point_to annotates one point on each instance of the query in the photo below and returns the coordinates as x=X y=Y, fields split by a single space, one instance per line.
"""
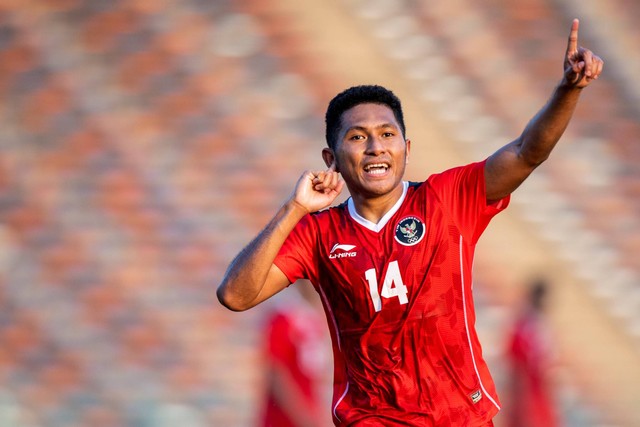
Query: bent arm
x=252 y=277
x=508 y=167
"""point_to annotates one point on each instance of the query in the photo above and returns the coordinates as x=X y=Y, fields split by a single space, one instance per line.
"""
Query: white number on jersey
x=393 y=286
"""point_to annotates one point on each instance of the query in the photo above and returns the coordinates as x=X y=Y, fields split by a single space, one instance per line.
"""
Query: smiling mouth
x=376 y=168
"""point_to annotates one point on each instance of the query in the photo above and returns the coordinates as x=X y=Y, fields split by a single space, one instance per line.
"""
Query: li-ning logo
x=409 y=231
x=342 y=251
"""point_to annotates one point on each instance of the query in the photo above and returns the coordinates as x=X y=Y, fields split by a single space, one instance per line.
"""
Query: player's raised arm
x=507 y=168
x=252 y=277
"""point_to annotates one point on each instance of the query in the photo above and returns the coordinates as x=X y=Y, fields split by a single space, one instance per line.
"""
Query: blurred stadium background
x=145 y=142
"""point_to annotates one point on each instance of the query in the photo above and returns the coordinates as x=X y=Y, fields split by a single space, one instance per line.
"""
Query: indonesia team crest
x=409 y=231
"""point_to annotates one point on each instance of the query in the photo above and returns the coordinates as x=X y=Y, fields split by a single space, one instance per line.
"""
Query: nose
x=375 y=145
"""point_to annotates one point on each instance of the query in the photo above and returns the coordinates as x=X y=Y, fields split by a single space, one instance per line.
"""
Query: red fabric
x=295 y=344
x=398 y=298
x=530 y=396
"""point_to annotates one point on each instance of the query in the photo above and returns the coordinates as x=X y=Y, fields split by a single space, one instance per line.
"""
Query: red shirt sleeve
x=296 y=256
x=462 y=192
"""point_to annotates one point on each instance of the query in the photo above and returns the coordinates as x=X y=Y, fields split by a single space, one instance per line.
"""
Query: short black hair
x=357 y=95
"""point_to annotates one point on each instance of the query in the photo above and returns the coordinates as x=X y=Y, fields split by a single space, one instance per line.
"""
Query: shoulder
x=278 y=320
x=458 y=175
x=471 y=168
x=416 y=189
x=329 y=214
x=315 y=222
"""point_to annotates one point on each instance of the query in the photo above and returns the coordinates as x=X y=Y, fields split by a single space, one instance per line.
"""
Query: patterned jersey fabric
x=397 y=296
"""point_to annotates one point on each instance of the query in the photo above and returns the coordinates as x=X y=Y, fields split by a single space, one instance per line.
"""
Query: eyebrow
x=363 y=128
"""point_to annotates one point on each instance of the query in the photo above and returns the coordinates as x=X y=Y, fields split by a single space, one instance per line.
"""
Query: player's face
x=371 y=152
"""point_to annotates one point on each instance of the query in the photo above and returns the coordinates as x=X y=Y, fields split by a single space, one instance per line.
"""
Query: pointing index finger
x=572 y=45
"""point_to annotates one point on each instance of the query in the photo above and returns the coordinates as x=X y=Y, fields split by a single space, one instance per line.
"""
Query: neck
x=374 y=208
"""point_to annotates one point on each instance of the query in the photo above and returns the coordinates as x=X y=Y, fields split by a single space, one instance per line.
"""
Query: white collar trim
x=383 y=221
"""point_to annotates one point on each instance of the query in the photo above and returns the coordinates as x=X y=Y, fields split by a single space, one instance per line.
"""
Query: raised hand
x=581 y=66
x=316 y=190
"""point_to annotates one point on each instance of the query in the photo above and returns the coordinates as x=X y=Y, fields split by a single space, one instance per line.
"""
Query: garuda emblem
x=409 y=231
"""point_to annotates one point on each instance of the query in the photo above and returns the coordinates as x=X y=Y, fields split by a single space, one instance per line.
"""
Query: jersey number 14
x=392 y=286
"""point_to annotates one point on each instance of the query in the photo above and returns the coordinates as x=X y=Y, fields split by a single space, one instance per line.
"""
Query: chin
x=380 y=189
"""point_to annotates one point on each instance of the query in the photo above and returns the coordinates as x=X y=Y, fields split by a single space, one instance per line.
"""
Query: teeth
x=376 y=171
x=377 y=167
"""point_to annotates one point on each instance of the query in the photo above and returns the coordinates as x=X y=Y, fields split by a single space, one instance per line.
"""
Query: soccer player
x=393 y=263
x=531 y=395
x=296 y=359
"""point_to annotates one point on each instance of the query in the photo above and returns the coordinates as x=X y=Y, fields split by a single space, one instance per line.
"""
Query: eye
x=356 y=137
x=388 y=134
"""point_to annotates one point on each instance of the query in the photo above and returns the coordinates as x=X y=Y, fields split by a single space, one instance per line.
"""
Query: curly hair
x=357 y=95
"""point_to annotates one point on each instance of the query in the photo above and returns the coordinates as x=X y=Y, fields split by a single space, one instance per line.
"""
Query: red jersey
x=398 y=301
x=295 y=343
x=532 y=401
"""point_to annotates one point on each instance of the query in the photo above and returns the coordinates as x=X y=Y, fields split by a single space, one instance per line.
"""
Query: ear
x=406 y=159
x=329 y=157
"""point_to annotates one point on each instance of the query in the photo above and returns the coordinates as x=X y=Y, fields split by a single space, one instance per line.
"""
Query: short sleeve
x=297 y=255
x=463 y=195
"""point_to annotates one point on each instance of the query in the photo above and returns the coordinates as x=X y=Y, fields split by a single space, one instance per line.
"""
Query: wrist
x=296 y=207
x=566 y=85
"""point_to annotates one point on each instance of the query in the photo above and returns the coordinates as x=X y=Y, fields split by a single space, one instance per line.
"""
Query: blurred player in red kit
x=529 y=353
x=297 y=358
x=393 y=263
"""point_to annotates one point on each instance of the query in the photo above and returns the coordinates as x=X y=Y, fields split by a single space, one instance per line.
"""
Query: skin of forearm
x=246 y=276
x=545 y=129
